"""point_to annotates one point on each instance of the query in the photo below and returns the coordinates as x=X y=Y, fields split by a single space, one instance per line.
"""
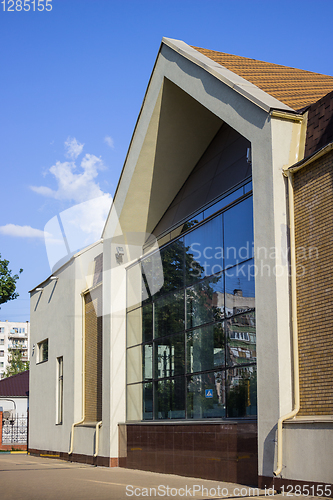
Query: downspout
x=97 y=437
x=83 y=379
x=294 y=412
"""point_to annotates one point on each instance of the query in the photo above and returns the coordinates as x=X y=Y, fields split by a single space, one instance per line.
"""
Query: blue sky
x=72 y=83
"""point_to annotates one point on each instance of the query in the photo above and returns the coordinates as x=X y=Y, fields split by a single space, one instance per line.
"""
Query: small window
x=1 y=364
x=60 y=389
x=43 y=351
x=2 y=341
x=2 y=353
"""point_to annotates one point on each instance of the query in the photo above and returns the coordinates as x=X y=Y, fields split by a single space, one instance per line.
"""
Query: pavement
x=25 y=477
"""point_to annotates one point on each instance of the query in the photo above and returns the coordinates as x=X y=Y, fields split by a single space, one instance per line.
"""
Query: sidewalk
x=34 y=478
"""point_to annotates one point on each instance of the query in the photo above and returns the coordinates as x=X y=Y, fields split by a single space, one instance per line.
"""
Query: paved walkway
x=24 y=477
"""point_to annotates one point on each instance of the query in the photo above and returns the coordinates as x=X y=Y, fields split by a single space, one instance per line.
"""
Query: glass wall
x=191 y=337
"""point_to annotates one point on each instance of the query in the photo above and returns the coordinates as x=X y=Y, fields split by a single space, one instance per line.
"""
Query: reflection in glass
x=239 y=288
x=147 y=361
x=205 y=302
x=192 y=222
x=134 y=402
x=206 y=395
x=241 y=339
x=248 y=187
x=238 y=233
x=133 y=287
x=169 y=314
x=172 y=258
x=223 y=203
x=152 y=276
x=148 y=401
x=205 y=348
x=204 y=251
x=214 y=372
x=134 y=327
x=242 y=392
x=170 y=395
x=170 y=356
x=147 y=322
x=134 y=364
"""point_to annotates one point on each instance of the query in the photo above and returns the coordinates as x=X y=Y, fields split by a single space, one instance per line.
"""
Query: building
x=14 y=407
x=14 y=394
x=172 y=344
x=13 y=335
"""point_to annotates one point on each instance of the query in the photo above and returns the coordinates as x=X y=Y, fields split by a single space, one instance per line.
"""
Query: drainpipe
x=97 y=437
x=83 y=380
x=294 y=412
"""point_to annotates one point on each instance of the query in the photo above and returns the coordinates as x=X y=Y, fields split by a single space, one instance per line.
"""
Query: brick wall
x=314 y=243
x=93 y=355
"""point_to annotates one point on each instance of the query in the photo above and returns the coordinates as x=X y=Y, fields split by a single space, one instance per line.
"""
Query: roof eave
x=237 y=83
x=310 y=159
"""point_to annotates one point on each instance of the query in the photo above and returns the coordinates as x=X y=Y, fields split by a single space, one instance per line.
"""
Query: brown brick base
x=76 y=457
x=288 y=486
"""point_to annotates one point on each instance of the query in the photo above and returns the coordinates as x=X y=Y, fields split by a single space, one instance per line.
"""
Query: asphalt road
x=24 y=477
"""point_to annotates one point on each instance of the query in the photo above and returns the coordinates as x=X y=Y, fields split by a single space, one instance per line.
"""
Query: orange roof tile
x=294 y=87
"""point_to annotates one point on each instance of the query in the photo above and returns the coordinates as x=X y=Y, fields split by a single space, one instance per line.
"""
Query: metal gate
x=15 y=430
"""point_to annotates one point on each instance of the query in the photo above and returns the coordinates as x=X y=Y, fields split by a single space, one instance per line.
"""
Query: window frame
x=40 y=351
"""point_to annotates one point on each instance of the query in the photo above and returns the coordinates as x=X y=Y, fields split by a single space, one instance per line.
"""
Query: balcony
x=16 y=335
x=18 y=346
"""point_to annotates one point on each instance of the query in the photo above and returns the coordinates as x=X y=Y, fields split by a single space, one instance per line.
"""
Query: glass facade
x=191 y=337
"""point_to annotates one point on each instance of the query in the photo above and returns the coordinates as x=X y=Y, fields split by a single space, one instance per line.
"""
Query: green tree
x=16 y=363
x=7 y=282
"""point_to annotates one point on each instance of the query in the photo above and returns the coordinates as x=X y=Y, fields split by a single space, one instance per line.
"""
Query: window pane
x=223 y=203
x=147 y=322
x=241 y=339
x=169 y=314
x=206 y=395
x=170 y=396
x=147 y=355
x=134 y=402
x=205 y=348
x=239 y=288
x=242 y=392
x=134 y=327
x=134 y=364
x=192 y=222
x=204 y=251
x=134 y=287
x=152 y=276
x=163 y=271
x=170 y=356
x=140 y=325
x=238 y=233
x=205 y=302
x=148 y=401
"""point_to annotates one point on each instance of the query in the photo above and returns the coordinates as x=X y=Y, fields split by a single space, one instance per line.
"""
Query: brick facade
x=313 y=188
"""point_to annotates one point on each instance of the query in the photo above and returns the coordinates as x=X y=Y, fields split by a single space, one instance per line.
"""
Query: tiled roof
x=17 y=385
x=294 y=87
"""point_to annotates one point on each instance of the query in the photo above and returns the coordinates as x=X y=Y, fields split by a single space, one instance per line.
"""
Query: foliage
x=7 y=282
x=16 y=364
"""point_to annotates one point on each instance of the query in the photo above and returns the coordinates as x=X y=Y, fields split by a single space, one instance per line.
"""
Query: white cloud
x=109 y=141
x=73 y=148
x=84 y=221
x=74 y=186
x=21 y=231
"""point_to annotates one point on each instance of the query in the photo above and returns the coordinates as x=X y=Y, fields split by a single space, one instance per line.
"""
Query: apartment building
x=13 y=335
